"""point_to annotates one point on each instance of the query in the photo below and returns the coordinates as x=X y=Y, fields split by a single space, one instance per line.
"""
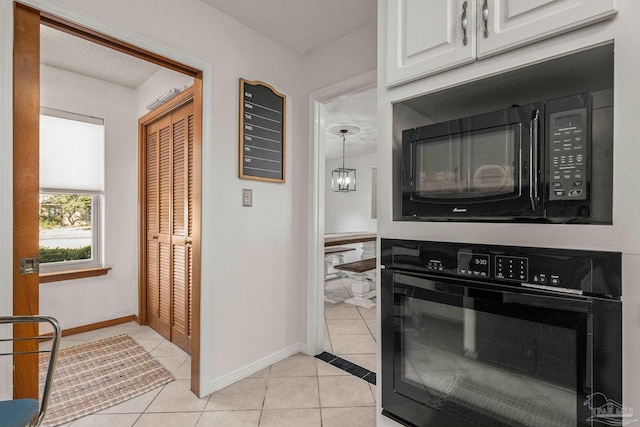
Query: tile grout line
x=319 y=398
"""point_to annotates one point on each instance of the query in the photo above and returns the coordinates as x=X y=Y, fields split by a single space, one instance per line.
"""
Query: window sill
x=58 y=276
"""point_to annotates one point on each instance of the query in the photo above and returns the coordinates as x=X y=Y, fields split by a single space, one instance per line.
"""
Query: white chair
x=30 y=412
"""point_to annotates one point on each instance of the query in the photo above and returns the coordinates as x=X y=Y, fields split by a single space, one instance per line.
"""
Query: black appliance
x=550 y=161
x=484 y=335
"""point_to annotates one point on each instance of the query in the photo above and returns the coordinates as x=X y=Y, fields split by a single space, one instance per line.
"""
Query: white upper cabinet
x=425 y=37
x=428 y=36
x=508 y=24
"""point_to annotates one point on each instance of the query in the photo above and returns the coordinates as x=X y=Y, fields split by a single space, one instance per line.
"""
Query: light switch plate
x=247 y=197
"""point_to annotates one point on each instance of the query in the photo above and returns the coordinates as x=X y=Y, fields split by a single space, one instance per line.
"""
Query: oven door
x=475 y=167
x=456 y=352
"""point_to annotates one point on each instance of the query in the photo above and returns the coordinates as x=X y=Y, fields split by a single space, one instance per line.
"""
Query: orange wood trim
x=26 y=144
x=98 y=325
x=58 y=276
x=142 y=220
x=197 y=234
x=110 y=42
x=95 y=326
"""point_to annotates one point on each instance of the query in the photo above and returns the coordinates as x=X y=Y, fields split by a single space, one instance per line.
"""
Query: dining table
x=368 y=240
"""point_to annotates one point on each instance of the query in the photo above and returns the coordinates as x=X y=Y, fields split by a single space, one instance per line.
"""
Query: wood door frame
x=26 y=189
x=54 y=20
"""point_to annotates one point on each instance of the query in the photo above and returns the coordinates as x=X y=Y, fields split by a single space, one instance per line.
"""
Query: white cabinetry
x=426 y=37
x=513 y=23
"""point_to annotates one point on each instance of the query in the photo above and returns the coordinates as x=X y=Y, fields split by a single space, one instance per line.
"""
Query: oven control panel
x=474 y=264
x=512 y=268
x=535 y=269
x=563 y=269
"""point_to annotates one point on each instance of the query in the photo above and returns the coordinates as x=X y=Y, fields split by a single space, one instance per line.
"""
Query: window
x=71 y=190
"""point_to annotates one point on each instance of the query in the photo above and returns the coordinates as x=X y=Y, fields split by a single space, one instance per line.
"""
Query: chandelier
x=343 y=179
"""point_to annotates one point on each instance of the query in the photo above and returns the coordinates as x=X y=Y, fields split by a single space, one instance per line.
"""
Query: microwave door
x=437 y=171
x=476 y=168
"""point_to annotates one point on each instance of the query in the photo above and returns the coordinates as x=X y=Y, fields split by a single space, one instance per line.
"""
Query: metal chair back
x=53 y=354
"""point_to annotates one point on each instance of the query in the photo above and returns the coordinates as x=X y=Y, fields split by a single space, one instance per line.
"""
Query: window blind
x=71 y=152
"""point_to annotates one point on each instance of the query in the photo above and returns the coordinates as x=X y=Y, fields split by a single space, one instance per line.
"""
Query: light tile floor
x=350 y=331
x=298 y=391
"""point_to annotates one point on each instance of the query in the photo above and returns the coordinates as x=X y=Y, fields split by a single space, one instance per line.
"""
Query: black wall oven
x=478 y=335
x=549 y=161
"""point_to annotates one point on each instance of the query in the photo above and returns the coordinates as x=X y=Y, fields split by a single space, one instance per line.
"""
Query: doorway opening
x=65 y=88
x=345 y=329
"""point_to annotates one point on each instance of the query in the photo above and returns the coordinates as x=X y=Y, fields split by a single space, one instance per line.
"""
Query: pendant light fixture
x=343 y=179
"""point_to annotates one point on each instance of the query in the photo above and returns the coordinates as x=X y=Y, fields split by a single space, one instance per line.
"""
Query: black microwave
x=550 y=161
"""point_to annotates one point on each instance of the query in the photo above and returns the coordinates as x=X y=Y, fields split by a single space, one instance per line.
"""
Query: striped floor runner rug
x=97 y=375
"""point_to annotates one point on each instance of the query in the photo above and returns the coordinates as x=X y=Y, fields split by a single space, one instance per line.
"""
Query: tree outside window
x=65 y=220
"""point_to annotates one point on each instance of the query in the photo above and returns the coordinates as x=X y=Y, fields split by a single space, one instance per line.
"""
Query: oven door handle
x=556 y=302
x=533 y=158
x=451 y=288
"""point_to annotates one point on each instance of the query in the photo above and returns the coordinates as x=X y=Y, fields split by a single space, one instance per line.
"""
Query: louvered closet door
x=169 y=200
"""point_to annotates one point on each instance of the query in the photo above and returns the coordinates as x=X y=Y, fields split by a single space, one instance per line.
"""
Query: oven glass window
x=468 y=165
x=485 y=368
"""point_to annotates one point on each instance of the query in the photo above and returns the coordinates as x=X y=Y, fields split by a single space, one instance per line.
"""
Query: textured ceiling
x=352 y=110
x=300 y=25
x=70 y=53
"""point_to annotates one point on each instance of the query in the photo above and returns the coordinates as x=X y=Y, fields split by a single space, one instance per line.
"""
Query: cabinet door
x=426 y=37
x=507 y=24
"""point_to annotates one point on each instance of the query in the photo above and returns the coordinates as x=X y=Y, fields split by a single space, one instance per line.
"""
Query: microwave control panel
x=568 y=151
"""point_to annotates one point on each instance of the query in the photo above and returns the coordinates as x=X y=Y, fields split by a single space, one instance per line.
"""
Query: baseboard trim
x=97 y=325
x=246 y=371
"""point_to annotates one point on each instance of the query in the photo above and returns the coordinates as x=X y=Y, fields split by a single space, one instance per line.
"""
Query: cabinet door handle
x=485 y=18
x=463 y=23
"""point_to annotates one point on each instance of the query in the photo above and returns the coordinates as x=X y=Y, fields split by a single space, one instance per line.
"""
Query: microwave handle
x=533 y=158
x=407 y=166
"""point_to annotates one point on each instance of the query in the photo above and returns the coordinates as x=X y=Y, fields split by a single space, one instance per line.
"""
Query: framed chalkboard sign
x=262 y=132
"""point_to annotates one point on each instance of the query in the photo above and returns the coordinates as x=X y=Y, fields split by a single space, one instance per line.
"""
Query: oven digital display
x=474 y=264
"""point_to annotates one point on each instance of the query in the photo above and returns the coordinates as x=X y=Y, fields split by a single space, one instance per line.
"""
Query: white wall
x=348 y=212
x=257 y=305
x=157 y=85
x=84 y=301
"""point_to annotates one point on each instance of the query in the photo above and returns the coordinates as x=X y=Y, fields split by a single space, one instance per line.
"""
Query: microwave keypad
x=568 y=152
